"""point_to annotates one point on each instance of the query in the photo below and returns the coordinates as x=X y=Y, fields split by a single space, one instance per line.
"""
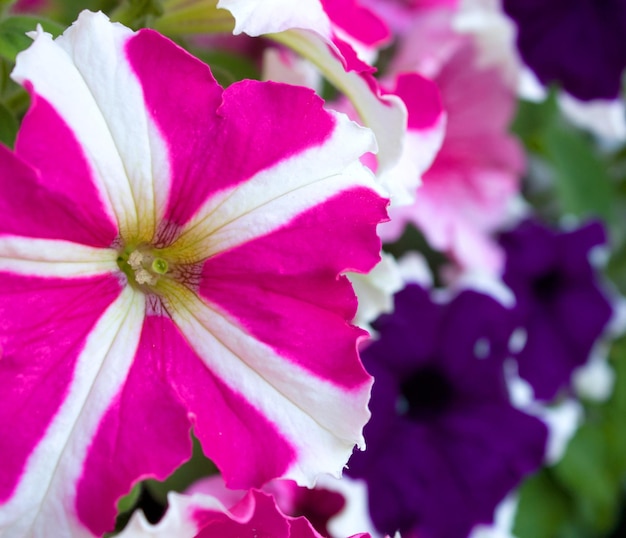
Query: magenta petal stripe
x=257 y=514
x=31 y=366
x=47 y=144
x=233 y=433
x=163 y=423
x=57 y=216
x=309 y=412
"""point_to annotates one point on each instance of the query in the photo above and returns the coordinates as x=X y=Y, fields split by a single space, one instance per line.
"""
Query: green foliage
x=582 y=182
x=13 y=38
x=228 y=67
x=533 y=119
x=198 y=466
x=543 y=508
x=127 y=503
x=138 y=13
x=585 y=472
x=8 y=126
x=580 y=496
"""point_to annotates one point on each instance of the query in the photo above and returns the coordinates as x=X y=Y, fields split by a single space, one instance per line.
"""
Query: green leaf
x=585 y=472
x=543 y=508
x=5 y=4
x=8 y=126
x=228 y=67
x=582 y=180
x=198 y=466
x=137 y=13
x=13 y=38
x=128 y=502
x=533 y=119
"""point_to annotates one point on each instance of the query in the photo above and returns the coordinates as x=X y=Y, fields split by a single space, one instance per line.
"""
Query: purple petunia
x=444 y=445
x=578 y=43
x=560 y=305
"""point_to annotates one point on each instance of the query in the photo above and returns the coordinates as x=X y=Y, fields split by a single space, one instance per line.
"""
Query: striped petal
x=97 y=129
x=64 y=358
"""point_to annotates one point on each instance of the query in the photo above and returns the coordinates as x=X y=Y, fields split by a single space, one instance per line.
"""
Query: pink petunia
x=467 y=192
x=171 y=257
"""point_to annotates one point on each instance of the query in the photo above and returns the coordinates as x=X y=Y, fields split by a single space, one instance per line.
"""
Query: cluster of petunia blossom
x=180 y=258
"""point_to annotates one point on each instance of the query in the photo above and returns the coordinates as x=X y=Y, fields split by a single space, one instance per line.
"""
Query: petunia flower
x=578 y=43
x=560 y=305
x=335 y=508
x=445 y=444
x=399 y=14
x=467 y=191
x=171 y=256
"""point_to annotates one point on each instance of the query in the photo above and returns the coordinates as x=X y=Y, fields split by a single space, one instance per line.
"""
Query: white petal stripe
x=54 y=258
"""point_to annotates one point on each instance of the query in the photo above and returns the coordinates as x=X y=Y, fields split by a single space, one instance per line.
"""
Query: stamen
x=144 y=277
x=135 y=259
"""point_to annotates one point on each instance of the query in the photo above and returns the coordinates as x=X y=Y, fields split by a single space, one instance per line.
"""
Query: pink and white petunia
x=171 y=257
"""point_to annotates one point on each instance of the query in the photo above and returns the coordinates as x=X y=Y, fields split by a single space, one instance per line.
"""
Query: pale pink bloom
x=172 y=257
x=468 y=190
x=399 y=14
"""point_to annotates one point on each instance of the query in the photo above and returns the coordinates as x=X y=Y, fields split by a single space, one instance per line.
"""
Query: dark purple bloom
x=559 y=302
x=578 y=43
x=444 y=444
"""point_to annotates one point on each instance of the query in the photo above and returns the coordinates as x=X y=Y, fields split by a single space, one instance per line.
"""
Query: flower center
x=547 y=286
x=424 y=395
x=143 y=266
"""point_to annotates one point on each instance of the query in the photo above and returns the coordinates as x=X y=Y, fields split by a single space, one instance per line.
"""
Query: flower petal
x=203 y=516
x=386 y=115
x=49 y=258
x=70 y=355
x=78 y=79
x=145 y=412
x=63 y=212
x=258 y=18
x=275 y=195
